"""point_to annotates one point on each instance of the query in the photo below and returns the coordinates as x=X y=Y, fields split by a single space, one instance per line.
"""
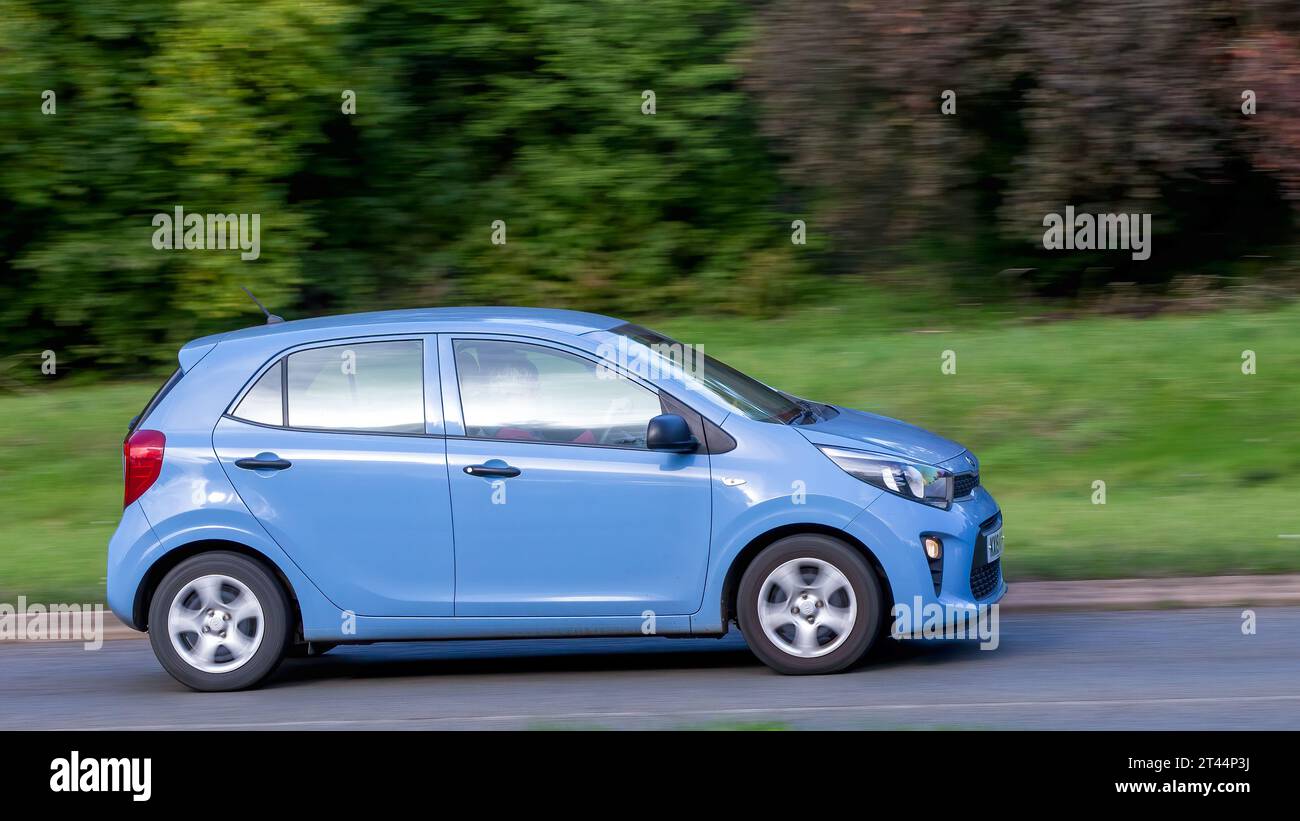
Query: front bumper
x=892 y=527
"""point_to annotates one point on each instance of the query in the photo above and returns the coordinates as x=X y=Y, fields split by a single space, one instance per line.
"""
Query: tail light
x=142 y=455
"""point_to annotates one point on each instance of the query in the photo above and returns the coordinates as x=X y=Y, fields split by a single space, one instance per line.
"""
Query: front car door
x=558 y=507
x=330 y=449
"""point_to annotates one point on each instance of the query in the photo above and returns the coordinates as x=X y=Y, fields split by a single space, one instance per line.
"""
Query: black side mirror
x=669 y=432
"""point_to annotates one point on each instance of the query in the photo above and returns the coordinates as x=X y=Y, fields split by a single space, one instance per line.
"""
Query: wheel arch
x=168 y=561
x=746 y=556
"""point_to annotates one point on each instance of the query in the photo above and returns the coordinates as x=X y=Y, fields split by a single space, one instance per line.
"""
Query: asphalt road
x=1141 y=670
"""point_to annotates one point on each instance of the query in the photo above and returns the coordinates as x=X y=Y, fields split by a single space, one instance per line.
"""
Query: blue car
x=473 y=473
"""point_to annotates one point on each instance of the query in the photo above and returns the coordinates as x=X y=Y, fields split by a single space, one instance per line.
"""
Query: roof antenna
x=271 y=318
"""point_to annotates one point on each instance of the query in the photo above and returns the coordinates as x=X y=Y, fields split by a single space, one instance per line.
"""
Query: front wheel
x=809 y=604
x=219 y=621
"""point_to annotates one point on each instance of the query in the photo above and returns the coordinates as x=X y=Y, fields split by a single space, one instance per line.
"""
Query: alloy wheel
x=807 y=607
x=216 y=623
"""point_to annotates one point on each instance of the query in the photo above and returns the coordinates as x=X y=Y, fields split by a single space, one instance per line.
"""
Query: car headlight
x=911 y=480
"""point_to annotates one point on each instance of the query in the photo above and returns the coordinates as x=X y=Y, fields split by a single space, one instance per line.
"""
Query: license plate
x=994 y=541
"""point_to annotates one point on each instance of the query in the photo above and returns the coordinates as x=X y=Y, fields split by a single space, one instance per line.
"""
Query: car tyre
x=219 y=622
x=809 y=604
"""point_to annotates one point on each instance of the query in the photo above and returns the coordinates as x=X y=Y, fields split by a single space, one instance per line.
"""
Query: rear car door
x=559 y=508
x=336 y=449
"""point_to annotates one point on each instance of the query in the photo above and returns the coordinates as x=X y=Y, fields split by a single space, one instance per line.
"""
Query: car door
x=558 y=507
x=338 y=454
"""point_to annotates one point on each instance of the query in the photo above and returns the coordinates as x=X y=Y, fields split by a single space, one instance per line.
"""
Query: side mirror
x=669 y=432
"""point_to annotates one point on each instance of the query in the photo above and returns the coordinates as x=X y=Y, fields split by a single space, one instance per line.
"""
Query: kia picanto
x=476 y=473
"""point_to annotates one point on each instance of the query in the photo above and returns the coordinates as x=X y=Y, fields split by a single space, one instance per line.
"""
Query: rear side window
x=154 y=400
x=264 y=402
x=368 y=386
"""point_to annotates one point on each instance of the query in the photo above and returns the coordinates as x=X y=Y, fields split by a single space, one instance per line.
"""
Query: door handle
x=505 y=472
x=263 y=461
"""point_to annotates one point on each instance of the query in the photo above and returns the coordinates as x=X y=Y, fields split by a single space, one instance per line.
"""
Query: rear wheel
x=219 y=621
x=809 y=604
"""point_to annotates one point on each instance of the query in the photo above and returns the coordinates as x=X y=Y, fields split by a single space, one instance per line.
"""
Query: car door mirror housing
x=669 y=432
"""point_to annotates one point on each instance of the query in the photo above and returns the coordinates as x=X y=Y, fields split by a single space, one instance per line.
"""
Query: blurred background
x=923 y=229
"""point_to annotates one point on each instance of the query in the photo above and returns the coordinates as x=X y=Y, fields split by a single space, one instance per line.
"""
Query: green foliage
x=532 y=114
x=524 y=112
x=529 y=112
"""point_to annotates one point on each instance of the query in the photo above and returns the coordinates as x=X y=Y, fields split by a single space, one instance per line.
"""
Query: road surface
x=1185 y=669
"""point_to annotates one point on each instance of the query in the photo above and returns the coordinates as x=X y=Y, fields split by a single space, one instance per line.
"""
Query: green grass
x=1201 y=462
x=61 y=482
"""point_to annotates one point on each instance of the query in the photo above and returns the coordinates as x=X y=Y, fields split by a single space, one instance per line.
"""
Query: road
x=1182 y=669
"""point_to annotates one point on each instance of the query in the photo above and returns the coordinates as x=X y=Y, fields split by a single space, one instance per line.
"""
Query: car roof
x=553 y=319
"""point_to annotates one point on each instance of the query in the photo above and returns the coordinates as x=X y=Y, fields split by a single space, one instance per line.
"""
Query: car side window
x=364 y=386
x=263 y=403
x=518 y=391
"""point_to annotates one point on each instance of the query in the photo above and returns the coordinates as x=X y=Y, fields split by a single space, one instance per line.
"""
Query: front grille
x=984 y=579
x=963 y=484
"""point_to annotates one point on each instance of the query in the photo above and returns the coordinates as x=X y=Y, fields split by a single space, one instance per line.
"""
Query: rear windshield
x=153 y=402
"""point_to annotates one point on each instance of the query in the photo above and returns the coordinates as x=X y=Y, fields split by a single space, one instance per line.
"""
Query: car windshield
x=733 y=388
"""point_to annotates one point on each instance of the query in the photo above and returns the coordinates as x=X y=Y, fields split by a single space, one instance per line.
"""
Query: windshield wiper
x=806 y=412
